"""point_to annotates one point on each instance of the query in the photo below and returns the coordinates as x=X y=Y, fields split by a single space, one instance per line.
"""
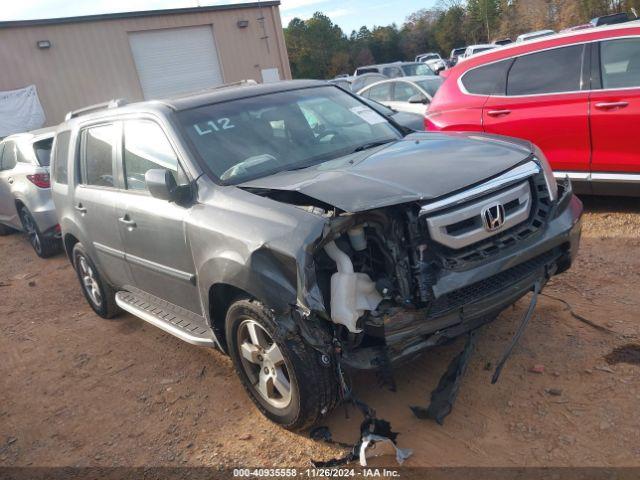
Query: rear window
x=61 y=158
x=42 y=150
x=551 y=71
x=487 y=80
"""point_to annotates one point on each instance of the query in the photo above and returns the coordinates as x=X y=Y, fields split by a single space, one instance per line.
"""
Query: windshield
x=481 y=49
x=249 y=138
x=416 y=69
x=430 y=57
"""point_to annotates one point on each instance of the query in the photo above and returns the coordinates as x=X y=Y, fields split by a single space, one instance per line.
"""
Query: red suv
x=574 y=95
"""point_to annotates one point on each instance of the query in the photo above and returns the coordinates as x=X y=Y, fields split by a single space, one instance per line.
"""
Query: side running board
x=188 y=326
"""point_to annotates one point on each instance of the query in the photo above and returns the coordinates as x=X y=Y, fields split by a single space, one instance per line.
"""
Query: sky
x=349 y=14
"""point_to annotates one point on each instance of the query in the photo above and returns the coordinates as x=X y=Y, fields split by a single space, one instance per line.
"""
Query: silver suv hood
x=422 y=166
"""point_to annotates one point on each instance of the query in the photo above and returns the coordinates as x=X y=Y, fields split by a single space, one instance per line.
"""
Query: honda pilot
x=298 y=230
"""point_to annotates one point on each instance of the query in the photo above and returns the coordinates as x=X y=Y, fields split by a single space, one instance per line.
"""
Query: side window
x=61 y=158
x=97 y=148
x=8 y=156
x=392 y=72
x=487 y=80
x=620 y=63
x=146 y=147
x=551 y=71
x=404 y=91
x=381 y=92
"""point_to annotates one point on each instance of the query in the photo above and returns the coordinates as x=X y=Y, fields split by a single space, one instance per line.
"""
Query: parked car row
x=298 y=228
x=575 y=95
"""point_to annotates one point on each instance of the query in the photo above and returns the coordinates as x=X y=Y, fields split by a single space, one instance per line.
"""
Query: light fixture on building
x=242 y=23
x=43 y=44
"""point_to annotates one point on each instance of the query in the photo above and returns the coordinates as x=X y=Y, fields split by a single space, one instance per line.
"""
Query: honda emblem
x=493 y=217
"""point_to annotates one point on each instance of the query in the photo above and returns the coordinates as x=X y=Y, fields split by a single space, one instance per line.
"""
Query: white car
x=531 y=35
x=405 y=94
x=474 y=49
x=433 y=60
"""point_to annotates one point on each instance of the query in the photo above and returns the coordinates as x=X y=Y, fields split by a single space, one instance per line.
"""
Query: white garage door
x=175 y=60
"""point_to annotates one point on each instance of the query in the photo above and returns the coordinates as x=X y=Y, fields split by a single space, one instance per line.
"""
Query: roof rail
x=115 y=103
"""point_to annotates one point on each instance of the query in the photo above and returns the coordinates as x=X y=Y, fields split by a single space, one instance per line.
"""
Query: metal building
x=80 y=61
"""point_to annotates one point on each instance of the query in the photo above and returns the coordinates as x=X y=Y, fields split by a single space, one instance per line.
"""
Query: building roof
x=143 y=13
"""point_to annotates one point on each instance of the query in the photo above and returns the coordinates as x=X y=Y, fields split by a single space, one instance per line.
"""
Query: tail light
x=40 y=180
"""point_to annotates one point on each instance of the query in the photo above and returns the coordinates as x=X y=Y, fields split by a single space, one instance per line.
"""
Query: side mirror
x=418 y=98
x=161 y=184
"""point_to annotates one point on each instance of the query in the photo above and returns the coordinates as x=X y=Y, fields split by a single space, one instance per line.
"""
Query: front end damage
x=397 y=280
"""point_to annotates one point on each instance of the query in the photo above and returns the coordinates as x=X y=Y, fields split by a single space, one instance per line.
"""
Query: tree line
x=318 y=48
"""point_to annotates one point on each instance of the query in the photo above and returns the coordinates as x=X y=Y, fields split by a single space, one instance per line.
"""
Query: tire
x=313 y=386
x=99 y=294
x=44 y=247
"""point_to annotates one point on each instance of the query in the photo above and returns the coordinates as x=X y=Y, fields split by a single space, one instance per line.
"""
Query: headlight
x=552 y=185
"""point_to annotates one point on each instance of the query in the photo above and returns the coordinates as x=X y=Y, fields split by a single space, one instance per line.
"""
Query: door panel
x=94 y=202
x=615 y=110
x=546 y=101
x=558 y=124
x=7 y=162
x=153 y=230
x=157 y=250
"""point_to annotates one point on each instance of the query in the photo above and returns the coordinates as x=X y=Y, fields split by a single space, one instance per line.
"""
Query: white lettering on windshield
x=214 y=126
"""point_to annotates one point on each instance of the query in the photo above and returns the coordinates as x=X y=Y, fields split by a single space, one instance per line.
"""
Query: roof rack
x=115 y=103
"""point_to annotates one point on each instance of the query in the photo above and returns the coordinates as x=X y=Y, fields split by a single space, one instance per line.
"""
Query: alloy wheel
x=264 y=364
x=89 y=281
x=31 y=230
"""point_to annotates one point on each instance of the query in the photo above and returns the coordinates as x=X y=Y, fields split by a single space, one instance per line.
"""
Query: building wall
x=91 y=62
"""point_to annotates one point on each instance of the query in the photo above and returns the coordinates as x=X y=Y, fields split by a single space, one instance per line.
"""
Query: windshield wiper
x=367 y=146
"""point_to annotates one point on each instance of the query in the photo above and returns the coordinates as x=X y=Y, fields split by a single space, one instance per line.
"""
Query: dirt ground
x=76 y=390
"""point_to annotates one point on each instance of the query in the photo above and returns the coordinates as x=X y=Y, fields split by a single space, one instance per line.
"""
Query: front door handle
x=611 y=105
x=127 y=221
x=80 y=208
x=498 y=113
x=10 y=180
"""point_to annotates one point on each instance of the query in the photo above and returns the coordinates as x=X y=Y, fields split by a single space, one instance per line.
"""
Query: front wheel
x=286 y=379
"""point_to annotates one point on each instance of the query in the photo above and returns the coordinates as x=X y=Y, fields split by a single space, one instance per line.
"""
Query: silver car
x=25 y=194
x=406 y=94
x=297 y=229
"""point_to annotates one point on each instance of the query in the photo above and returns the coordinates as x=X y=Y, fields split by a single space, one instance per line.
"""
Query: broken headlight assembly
x=549 y=178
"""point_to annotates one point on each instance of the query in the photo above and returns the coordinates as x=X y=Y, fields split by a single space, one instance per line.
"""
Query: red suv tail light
x=40 y=180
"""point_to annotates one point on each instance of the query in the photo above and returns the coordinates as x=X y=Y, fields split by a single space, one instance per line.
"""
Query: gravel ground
x=81 y=391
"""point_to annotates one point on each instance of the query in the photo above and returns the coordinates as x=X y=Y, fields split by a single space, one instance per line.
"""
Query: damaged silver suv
x=296 y=229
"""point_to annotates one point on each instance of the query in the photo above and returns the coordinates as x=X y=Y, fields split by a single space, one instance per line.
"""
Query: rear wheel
x=285 y=378
x=99 y=294
x=44 y=247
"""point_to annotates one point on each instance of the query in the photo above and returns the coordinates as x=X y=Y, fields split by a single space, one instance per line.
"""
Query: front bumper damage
x=466 y=300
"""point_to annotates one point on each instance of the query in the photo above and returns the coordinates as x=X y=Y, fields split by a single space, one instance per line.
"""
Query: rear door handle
x=611 y=105
x=498 y=113
x=10 y=180
x=80 y=208
x=127 y=221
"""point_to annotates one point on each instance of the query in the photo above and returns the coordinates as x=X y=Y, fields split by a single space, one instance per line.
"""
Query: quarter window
x=146 y=147
x=61 y=158
x=487 y=80
x=620 y=63
x=381 y=93
x=98 y=147
x=551 y=71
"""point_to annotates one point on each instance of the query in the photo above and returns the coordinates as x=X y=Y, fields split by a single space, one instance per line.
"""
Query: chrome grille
x=466 y=225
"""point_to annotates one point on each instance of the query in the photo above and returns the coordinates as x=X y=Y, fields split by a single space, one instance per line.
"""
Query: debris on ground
x=444 y=396
x=538 y=368
x=553 y=391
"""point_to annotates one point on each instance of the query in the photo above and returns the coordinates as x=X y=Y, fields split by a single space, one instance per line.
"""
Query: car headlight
x=549 y=178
